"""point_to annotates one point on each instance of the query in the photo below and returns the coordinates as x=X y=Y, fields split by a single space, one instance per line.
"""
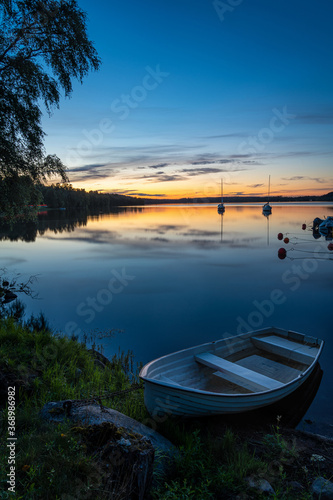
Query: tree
x=43 y=46
x=8 y=290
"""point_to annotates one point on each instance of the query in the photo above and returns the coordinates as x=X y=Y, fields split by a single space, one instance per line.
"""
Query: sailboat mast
x=222 y=191
x=269 y=186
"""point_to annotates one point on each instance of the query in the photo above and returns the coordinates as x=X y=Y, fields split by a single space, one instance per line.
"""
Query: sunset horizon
x=238 y=93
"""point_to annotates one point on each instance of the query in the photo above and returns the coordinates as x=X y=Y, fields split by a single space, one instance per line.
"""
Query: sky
x=194 y=91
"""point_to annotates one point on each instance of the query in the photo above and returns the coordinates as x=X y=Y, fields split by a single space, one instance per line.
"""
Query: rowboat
x=230 y=375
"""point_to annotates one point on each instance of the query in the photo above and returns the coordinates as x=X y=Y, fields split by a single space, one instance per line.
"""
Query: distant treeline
x=243 y=199
x=65 y=196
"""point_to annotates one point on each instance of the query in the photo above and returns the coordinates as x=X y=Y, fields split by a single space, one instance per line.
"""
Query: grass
x=52 y=460
x=207 y=468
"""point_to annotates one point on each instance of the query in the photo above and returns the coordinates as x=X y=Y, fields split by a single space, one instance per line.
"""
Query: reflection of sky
x=196 y=277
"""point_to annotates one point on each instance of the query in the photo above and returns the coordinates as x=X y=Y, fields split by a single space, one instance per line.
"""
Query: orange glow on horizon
x=205 y=189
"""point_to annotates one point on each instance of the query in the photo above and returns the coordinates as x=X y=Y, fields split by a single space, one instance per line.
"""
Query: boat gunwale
x=179 y=388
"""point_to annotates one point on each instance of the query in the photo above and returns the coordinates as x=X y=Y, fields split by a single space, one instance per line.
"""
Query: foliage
x=276 y=446
x=208 y=469
x=52 y=461
x=9 y=287
x=43 y=47
x=64 y=195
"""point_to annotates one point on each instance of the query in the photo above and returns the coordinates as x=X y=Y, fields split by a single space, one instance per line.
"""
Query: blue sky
x=193 y=91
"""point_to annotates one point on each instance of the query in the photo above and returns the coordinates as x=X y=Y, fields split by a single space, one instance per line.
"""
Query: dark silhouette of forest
x=65 y=196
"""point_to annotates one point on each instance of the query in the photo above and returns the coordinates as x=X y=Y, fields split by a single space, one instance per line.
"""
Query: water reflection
x=54 y=221
x=198 y=275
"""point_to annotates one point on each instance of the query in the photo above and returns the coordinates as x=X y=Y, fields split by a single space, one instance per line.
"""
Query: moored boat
x=231 y=375
x=267 y=209
x=220 y=206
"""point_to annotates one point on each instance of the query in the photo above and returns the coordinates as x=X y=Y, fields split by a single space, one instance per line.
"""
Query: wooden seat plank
x=286 y=348
x=270 y=368
x=238 y=374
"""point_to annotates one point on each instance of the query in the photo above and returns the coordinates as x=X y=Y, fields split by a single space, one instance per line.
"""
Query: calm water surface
x=171 y=277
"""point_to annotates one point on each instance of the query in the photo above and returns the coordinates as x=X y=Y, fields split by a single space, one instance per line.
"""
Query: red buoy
x=303 y=226
x=286 y=240
x=280 y=236
x=282 y=253
x=330 y=246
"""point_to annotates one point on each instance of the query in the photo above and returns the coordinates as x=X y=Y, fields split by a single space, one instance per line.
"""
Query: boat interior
x=241 y=365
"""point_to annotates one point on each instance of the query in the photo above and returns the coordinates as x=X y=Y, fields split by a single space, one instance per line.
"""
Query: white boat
x=231 y=375
x=267 y=209
x=326 y=225
x=220 y=206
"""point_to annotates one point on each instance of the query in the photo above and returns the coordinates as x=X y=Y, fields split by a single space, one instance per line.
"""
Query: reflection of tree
x=56 y=221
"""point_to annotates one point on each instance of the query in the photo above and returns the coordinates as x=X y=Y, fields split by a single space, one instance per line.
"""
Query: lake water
x=170 y=277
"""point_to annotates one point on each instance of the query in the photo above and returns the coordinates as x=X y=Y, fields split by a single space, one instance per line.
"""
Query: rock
x=261 y=485
x=100 y=357
x=125 y=460
x=99 y=364
x=9 y=297
x=322 y=488
x=93 y=414
x=295 y=486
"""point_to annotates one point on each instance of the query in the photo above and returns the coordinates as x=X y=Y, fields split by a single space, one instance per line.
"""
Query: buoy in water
x=286 y=240
x=303 y=227
x=330 y=246
x=282 y=253
x=280 y=236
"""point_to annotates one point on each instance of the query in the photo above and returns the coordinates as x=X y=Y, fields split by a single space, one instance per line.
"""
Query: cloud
x=159 y=165
x=151 y=195
x=91 y=171
x=162 y=240
x=221 y=136
x=210 y=162
x=201 y=171
x=320 y=180
x=133 y=192
x=255 y=185
x=164 y=178
x=319 y=118
x=236 y=161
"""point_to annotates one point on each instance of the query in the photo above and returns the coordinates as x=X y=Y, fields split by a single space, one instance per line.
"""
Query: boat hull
x=160 y=400
x=166 y=397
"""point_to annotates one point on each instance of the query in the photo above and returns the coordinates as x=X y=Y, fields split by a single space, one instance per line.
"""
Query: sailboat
x=220 y=206
x=267 y=209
